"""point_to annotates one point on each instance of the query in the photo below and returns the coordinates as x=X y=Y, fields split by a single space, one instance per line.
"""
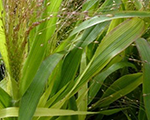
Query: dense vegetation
x=74 y=59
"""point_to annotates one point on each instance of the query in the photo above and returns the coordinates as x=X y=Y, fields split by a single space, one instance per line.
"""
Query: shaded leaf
x=97 y=82
x=119 y=88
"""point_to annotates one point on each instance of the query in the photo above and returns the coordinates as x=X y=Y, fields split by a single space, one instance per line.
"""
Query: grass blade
x=90 y=3
x=115 y=42
x=38 y=48
x=41 y=112
x=119 y=88
x=31 y=98
x=97 y=82
x=5 y=99
x=102 y=18
x=144 y=50
x=72 y=60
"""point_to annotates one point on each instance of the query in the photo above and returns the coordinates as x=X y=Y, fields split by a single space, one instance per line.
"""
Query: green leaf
x=92 y=33
x=138 y=4
x=31 y=98
x=119 y=88
x=88 y=37
x=114 y=23
x=109 y=4
x=51 y=24
x=51 y=85
x=38 y=47
x=52 y=10
x=41 y=112
x=53 y=99
x=97 y=82
x=144 y=50
x=83 y=92
x=111 y=111
x=70 y=67
x=142 y=112
x=112 y=44
x=72 y=60
x=141 y=5
x=5 y=99
x=89 y=3
x=3 y=84
x=71 y=106
x=107 y=17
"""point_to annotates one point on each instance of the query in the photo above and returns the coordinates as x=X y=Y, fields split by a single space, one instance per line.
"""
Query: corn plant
x=74 y=60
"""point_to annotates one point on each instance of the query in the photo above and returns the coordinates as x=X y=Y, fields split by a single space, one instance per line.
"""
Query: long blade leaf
x=39 y=46
x=107 y=17
x=97 y=82
x=13 y=112
x=144 y=50
x=119 y=88
x=31 y=98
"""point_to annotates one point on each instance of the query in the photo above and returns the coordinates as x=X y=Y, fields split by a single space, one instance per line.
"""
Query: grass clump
x=74 y=60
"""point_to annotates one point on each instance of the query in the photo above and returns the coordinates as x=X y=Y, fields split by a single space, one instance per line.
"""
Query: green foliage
x=74 y=59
